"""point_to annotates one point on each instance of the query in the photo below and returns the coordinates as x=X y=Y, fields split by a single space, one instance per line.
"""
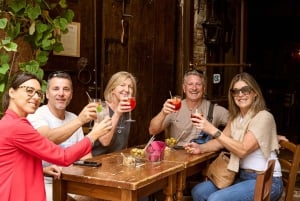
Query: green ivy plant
x=39 y=23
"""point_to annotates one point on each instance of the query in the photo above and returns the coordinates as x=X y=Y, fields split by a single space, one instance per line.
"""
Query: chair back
x=263 y=184
x=289 y=158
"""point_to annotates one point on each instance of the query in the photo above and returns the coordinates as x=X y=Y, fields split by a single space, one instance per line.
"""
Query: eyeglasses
x=31 y=91
x=246 y=90
x=59 y=74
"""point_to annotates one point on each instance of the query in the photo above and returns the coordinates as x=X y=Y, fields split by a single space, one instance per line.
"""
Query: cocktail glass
x=98 y=101
x=197 y=114
x=102 y=111
x=132 y=102
x=176 y=101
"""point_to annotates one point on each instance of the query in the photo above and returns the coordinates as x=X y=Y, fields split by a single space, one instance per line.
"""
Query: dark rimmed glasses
x=246 y=90
x=31 y=91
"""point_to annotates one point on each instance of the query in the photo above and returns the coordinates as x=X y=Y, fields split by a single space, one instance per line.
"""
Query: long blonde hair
x=117 y=79
x=259 y=101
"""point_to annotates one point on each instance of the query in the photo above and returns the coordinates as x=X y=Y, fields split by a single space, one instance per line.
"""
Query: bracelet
x=91 y=140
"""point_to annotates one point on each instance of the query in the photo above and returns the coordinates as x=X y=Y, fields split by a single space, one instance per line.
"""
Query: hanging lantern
x=212 y=29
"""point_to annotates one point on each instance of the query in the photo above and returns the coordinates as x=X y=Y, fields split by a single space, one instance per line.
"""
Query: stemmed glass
x=197 y=114
x=176 y=101
x=132 y=102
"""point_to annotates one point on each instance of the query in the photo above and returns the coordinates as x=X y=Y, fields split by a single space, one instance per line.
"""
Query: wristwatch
x=217 y=134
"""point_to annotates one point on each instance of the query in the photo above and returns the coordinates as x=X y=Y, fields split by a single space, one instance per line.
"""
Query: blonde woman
x=120 y=86
x=250 y=136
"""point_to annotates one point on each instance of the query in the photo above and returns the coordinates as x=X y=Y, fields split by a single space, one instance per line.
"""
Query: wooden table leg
x=181 y=179
x=59 y=190
x=170 y=190
x=127 y=195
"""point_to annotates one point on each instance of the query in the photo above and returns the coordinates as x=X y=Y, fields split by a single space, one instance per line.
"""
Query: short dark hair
x=59 y=74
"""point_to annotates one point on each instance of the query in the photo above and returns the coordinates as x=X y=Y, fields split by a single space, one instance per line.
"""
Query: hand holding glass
x=98 y=101
x=132 y=102
x=197 y=114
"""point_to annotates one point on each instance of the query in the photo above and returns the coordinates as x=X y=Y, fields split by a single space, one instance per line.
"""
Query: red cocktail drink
x=132 y=102
x=176 y=101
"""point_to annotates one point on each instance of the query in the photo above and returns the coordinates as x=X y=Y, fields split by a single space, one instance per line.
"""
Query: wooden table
x=193 y=164
x=113 y=181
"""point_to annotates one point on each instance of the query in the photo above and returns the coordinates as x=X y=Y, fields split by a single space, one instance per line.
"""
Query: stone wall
x=199 y=49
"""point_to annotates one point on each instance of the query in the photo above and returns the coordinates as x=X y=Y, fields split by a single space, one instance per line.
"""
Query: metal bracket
x=123 y=11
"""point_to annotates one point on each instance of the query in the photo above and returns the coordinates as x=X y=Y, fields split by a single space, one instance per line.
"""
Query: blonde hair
x=196 y=73
x=259 y=101
x=117 y=79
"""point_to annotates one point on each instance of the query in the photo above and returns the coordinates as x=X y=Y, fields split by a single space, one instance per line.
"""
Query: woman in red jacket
x=22 y=148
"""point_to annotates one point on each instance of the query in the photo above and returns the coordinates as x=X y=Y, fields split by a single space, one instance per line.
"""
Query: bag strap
x=210 y=112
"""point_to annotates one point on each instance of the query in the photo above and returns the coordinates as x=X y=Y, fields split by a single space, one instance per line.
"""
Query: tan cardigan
x=263 y=126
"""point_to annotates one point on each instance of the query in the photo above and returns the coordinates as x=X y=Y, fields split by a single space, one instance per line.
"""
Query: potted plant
x=29 y=31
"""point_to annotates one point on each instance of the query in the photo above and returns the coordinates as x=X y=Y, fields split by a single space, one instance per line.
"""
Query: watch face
x=217 y=134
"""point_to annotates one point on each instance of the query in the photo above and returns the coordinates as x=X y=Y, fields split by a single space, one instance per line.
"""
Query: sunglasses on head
x=59 y=74
x=193 y=71
x=246 y=90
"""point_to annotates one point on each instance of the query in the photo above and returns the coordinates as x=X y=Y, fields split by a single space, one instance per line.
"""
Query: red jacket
x=22 y=149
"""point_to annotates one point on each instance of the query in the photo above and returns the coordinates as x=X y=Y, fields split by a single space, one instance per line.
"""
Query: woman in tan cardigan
x=250 y=136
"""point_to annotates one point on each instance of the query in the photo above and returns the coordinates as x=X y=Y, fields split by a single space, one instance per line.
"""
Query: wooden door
x=138 y=36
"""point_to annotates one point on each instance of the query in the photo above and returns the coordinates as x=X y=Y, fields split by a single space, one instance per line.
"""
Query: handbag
x=218 y=173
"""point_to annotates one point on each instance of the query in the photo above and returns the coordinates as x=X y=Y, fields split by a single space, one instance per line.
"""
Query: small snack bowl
x=128 y=161
x=137 y=152
x=171 y=142
x=155 y=151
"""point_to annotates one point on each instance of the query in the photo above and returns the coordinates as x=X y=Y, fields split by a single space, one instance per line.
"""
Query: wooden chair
x=289 y=158
x=263 y=184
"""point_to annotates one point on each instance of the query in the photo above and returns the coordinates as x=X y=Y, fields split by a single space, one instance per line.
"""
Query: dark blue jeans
x=241 y=190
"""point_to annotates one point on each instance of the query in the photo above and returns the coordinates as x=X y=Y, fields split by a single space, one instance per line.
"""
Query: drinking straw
x=90 y=99
x=180 y=136
x=170 y=93
x=149 y=142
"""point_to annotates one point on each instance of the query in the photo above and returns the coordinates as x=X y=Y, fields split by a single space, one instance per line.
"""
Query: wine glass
x=176 y=101
x=132 y=102
x=197 y=114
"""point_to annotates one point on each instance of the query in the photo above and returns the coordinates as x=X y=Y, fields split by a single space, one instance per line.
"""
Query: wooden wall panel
x=148 y=53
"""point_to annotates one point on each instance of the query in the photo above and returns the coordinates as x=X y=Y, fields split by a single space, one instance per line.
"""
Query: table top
x=113 y=173
x=186 y=158
x=180 y=156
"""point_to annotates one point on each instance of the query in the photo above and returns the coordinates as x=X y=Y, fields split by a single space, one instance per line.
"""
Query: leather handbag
x=218 y=173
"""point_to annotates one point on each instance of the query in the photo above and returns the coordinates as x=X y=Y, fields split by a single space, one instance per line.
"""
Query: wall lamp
x=212 y=28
